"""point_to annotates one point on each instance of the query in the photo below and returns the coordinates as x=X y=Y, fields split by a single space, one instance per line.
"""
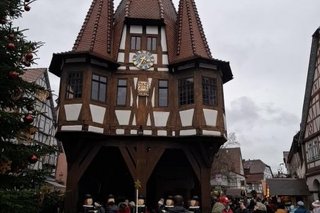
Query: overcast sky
x=267 y=43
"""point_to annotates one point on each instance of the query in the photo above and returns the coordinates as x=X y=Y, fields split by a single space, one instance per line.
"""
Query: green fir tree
x=20 y=185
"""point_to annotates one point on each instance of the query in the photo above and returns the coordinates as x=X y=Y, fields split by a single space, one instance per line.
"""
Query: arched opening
x=107 y=174
x=172 y=175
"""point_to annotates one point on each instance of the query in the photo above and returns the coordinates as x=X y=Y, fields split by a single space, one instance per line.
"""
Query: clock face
x=143 y=60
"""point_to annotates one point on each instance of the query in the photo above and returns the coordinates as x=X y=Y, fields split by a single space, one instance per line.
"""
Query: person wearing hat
x=178 y=205
x=222 y=205
x=301 y=208
x=110 y=206
x=169 y=203
x=316 y=206
x=142 y=208
x=194 y=205
x=260 y=208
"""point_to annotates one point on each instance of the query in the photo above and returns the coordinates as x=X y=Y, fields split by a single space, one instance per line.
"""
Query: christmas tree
x=21 y=187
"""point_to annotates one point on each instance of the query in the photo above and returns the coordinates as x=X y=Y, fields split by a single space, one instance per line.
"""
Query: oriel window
x=122 y=92
x=74 y=85
x=98 y=88
x=151 y=43
x=209 y=91
x=135 y=43
x=163 y=93
x=186 y=91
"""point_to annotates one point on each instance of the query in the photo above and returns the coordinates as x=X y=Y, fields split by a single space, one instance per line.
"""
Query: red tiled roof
x=191 y=40
x=96 y=34
x=32 y=75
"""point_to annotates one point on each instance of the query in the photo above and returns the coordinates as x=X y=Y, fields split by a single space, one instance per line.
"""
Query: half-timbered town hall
x=141 y=100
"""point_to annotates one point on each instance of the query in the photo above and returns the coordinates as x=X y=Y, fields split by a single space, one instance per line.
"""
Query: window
x=122 y=92
x=209 y=91
x=186 y=91
x=98 y=88
x=74 y=85
x=163 y=93
x=151 y=43
x=135 y=43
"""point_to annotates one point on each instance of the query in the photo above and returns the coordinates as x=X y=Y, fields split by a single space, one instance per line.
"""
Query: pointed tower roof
x=95 y=35
x=191 y=40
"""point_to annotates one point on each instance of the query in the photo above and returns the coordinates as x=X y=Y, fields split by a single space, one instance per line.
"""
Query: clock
x=143 y=59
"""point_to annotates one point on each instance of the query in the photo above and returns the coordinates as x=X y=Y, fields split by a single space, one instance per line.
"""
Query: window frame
x=100 y=83
x=125 y=90
x=186 y=91
x=135 y=37
x=209 y=91
x=74 y=79
x=153 y=44
x=162 y=88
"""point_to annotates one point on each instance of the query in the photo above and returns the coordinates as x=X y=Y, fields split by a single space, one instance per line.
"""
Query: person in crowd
x=281 y=208
x=178 y=205
x=316 y=206
x=194 y=205
x=132 y=206
x=90 y=206
x=260 y=208
x=110 y=206
x=241 y=207
x=160 y=207
x=292 y=209
x=169 y=203
x=123 y=207
x=301 y=208
x=222 y=205
x=142 y=208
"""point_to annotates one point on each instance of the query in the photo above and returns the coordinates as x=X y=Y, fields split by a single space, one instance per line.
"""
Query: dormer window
x=135 y=43
x=151 y=43
x=74 y=85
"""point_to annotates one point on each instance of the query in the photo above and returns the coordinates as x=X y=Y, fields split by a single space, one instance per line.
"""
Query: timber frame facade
x=141 y=99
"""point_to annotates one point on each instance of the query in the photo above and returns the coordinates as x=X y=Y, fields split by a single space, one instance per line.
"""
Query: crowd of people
x=172 y=204
x=254 y=204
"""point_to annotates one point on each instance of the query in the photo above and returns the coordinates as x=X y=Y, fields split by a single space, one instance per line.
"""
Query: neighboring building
x=256 y=173
x=141 y=103
x=44 y=122
x=227 y=172
x=294 y=161
x=309 y=139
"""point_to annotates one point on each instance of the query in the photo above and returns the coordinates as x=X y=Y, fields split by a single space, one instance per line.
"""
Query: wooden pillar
x=205 y=189
x=71 y=197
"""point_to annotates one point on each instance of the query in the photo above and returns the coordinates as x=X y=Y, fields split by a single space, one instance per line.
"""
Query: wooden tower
x=141 y=98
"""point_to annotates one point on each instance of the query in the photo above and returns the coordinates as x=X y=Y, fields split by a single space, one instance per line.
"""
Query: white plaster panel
x=162 y=133
x=161 y=118
x=152 y=30
x=165 y=59
x=214 y=133
x=123 y=116
x=97 y=113
x=149 y=120
x=95 y=129
x=123 y=38
x=317 y=163
x=131 y=57
x=72 y=111
x=173 y=133
x=210 y=117
x=188 y=132
x=122 y=68
x=71 y=128
x=147 y=132
x=163 y=39
x=135 y=80
x=163 y=69
x=186 y=117
x=155 y=56
x=136 y=29
x=133 y=132
x=131 y=98
x=120 y=57
x=133 y=68
x=153 y=97
x=134 y=120
x=120 y=131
